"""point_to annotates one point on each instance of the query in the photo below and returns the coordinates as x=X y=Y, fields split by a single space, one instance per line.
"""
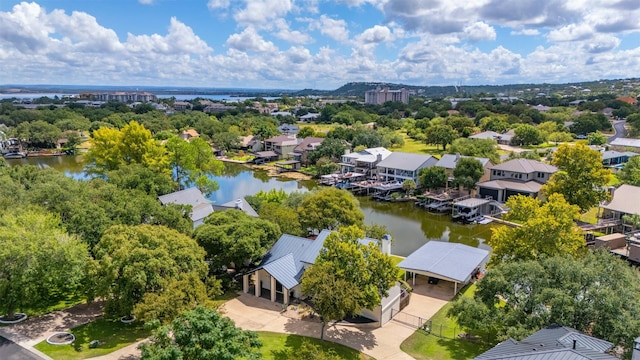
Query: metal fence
x=447 y=332
x=408 y=319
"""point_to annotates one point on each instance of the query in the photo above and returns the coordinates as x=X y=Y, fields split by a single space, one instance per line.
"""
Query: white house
x=363 y=161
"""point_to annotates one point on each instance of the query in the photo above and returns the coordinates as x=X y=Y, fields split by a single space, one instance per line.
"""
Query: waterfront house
x=278 y=277
x=504 y=139
x=400 y=166
x=250 y=143
x=238 y=204
x=553 y=342
x=625 y=200
x=281 y=145
x=364 y=161
x=516 y=177
x=181 y=106
x=200 y=206
x=301 y=152
x=449 y=162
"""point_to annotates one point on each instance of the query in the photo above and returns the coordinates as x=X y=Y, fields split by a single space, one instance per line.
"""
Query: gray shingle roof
x=626 y=199
x=240 y=204
x=451 y=261
x=525 y=166
x=449 y=161
x=612 y=154
x=308 y=144
x=201 y=206
x=529 y=186
x=406 y=161
x=552 y=342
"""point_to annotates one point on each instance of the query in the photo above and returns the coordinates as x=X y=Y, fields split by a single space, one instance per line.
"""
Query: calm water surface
x=411 y=227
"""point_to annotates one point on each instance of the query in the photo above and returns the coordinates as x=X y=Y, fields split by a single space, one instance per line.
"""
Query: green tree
x=527 y=135
x=547 y=229
x=597 y=138
x=433 y=177
x=39 y=262
x=581 y=178
x=285 y=217
x=202 y=334
x=440 y=135
x=306 y=131
x=138 y=260
x=226 y=141
x=595 y=293
x=485 y=148
x=408 y=185
x=630 y=174
x=234 y=239
x=193 y=162
x=339 y=291
x=467 y=172
x=309 y=350
x=138 y=177
x=325 y=166
x=559 y=136
x=330 y=208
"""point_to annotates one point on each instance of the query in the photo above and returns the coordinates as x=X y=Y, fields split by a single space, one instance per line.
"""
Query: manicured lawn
x=113 y=335
x=396 y=260
x=318 y=127
x=590 y=216
x=416 y=147
x=424 y=346
x=274 y=345
x=53 y=305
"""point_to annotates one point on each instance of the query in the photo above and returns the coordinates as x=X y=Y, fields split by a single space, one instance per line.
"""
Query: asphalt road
x=618 y=126
x=11 y=351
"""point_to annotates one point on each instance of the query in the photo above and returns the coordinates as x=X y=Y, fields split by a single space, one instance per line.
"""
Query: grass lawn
x=274 y=344
x=318 y=127
x=53 y=305
x=416 y=147
x=113 y=335
x=396 y=260
x=590 y=216
x=228 y=295
x=424 y=346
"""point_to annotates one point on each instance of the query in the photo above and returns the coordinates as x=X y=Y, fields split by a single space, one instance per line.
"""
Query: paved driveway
x=618 y=127
x=251 y=313
x=12 y=351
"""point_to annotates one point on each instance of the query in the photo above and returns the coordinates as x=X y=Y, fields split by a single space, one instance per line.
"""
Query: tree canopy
x=548 y=229
x=39 y=262
x=202 y=334
x=581 y=178
x=234 y=239
x=138 y=260
x=467 y=172
x=630 y=174
x=433 y=177
x=596 y=293
x=336 y=288
x=330 y=208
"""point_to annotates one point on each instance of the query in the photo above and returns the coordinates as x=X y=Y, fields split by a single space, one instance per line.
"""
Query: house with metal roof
x=449 y=162
x=200 y=206
x=238 y=204
x=552 y=342
x=516 y=177
x=279 y=274
x=400 y=166
x=364 y=161
x=453 y=262
x=626 y=142
x=504 y=139
x=611 y=158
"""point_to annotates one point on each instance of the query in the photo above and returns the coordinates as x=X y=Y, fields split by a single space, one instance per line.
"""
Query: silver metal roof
x=449 y=261
x=449 y=161
x=407 y=161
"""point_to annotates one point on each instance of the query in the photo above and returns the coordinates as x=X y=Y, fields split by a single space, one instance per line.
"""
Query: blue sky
x=320 y=44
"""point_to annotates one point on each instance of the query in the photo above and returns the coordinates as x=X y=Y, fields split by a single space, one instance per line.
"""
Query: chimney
x=635 y=355
x=574 y=344
x=378 y=158
x=238 y=204
x=385 y=244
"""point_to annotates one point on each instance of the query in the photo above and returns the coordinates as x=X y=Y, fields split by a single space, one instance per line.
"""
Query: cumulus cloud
x=479 y=31
x=250 y=40
x=571 y=32
x=180 y=40
x=333 y=28
x=293 y=36
x=261 y=11
x=374 y=35
x=527 y=32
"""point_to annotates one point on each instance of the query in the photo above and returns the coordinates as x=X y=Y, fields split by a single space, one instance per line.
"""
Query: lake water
x=179 y=97
x=411 y=227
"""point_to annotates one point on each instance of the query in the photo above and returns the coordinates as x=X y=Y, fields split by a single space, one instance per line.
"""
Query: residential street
x=618 y=126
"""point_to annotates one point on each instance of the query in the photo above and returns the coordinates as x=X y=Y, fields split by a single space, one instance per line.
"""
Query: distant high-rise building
x=382 y=95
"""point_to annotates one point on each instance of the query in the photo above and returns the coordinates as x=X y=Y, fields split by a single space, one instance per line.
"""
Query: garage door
x=493 y=193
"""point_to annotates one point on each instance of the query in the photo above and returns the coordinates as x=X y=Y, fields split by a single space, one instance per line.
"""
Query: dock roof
x=406 y=161
x=449 y=261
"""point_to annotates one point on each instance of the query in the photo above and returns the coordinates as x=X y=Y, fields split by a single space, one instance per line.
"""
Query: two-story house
x=516 y=177
x=364 y=161
x=400 y=166
x=281 y=145
x=308 y=144
x=449 y=162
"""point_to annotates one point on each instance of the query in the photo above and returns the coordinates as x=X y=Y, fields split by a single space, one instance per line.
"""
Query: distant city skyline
x=320 y=44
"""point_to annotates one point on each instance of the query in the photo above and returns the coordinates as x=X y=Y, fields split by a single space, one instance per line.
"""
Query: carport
x=453 y=262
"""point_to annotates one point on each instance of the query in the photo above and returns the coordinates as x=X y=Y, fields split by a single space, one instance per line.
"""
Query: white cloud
x=572 y=32
x=333 y=28
x=260 y=11
x=374 y=35
x=180 y=40
x=250 y=40
x=527 y=32
x=479 y=31
x=146 y=2
x=293 y=36
x=218 y=4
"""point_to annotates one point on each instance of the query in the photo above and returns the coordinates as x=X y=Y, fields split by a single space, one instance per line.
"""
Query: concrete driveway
x=12 y=351
x=257 y=314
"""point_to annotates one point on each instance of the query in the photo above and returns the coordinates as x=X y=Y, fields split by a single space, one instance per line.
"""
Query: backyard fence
x=408 y=319
x=448 y=332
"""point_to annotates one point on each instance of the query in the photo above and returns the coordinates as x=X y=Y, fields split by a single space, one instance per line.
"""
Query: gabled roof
x=525 y=166
x=551 y=343
x=308 y=144
x=283 y=140
x=449 y=161
x=406 y=161
x=450 y=261
x=626 y=142
x=626 y=199
x=492 y=135
x=201 y=206
x=369 y=155
x=247 y=140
